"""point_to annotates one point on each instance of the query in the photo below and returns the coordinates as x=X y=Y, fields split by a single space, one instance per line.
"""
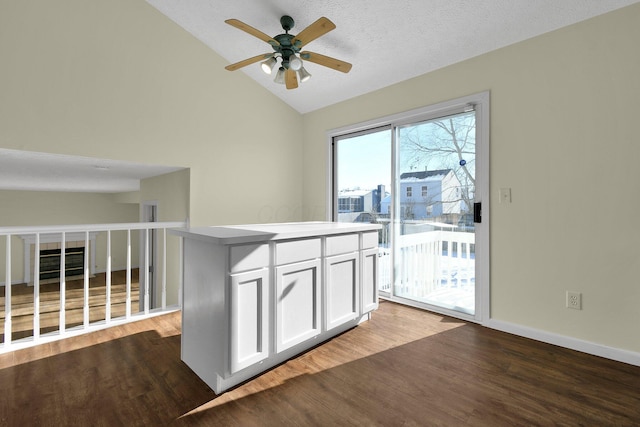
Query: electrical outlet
x=574 y=300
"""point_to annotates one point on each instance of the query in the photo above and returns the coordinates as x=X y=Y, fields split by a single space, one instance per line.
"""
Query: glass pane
x=363 y=181
x=435 y=244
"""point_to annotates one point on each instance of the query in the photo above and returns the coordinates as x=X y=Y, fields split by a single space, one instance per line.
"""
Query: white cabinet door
x=249 y=301
x=297 y=303
x=342 y=284
x=369 y=280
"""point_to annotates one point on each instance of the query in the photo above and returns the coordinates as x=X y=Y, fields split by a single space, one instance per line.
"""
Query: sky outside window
x=364 y=161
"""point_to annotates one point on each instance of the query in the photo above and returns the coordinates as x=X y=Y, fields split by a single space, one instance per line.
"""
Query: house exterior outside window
x=440 y=199
x=359 y=205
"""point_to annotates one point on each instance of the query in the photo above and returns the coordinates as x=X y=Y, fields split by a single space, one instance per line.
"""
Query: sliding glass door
x=434 y=239
x=362 y=164
x=418 y=176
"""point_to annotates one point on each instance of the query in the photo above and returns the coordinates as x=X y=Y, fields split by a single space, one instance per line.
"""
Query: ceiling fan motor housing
x=285 y=47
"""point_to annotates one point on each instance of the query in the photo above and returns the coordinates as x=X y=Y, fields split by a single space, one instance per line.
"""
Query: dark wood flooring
x=405 y=367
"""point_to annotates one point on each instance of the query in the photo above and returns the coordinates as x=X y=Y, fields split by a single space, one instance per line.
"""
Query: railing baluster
x=180 y=270
x=164 y=268
x=36 y=289
x=427 y=267
x=107 y=311
x=85 y=309
x=128 y=291
x=40 y=235
x=63 y=284
x=438 y=255
x=7 y=295
x=146 y=272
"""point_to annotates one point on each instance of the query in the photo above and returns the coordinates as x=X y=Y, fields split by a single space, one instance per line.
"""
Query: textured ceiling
x=386 y=41
x=26 y=170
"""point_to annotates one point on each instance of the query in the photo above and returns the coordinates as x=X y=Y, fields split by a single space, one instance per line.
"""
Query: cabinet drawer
x=248 y=257
x=341 y=244
x=297 y=250
x=370 y=240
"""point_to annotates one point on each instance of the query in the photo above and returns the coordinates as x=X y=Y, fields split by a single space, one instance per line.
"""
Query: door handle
x=477 y=212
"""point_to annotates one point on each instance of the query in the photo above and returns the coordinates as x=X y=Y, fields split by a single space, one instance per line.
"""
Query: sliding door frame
x=478 y=102
x=333 y=179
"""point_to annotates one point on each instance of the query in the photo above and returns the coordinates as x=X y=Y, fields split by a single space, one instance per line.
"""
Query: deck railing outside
x=429 y=262
x=149 y=254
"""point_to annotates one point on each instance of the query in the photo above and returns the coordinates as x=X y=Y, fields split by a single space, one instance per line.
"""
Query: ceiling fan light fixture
x=295 y=63
x=280 y=76
x=303 y=75
x=267 y=66
x=287 y=62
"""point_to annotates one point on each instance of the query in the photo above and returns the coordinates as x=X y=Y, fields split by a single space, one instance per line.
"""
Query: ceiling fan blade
x=248 y=61
x=320 y=27
x=290 y=79
x=254 y=32
x=326 y=61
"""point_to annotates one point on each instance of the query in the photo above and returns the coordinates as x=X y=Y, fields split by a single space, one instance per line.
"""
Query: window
x=424 y=191
x=350 y=204
x=408 y=191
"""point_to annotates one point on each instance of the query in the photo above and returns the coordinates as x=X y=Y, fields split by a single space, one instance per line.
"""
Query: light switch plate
x=505 y=195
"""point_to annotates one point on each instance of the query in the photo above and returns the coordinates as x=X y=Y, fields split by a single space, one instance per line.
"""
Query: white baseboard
x=612 y=353
x=15 y=282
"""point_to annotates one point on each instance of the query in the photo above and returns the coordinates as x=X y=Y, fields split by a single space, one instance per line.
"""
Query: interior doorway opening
x=148 y=255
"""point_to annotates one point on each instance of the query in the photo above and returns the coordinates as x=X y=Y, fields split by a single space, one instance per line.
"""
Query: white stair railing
x=87 y=326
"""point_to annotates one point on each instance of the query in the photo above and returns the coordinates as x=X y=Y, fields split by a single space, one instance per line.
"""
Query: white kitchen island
x=257 y=295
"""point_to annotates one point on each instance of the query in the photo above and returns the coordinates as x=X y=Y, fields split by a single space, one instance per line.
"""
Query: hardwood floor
x=22 y=303
x=405 y=367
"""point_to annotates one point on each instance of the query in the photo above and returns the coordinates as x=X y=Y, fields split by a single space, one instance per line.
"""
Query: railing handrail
x=434 y=236
x=51 y=229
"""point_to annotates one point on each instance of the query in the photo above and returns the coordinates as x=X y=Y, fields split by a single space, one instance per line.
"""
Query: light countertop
x=235 y=234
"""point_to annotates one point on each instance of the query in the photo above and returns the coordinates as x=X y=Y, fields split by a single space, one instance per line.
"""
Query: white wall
x=117 y=79
x=170 y=193
x=564 y=138
x=20 y=208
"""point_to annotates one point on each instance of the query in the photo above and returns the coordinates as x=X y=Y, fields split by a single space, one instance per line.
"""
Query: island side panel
x=205 y=320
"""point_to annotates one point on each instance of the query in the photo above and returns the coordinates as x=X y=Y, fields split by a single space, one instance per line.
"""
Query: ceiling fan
x=287 y=47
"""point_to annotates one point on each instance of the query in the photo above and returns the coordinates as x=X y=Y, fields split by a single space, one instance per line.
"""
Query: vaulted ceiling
x=386 y=41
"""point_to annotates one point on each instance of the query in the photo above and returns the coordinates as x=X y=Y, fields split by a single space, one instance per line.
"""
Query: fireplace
x=50 y=260
x=50 y=251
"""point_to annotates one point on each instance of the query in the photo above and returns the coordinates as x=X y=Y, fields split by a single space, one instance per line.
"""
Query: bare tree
x=446 y=143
